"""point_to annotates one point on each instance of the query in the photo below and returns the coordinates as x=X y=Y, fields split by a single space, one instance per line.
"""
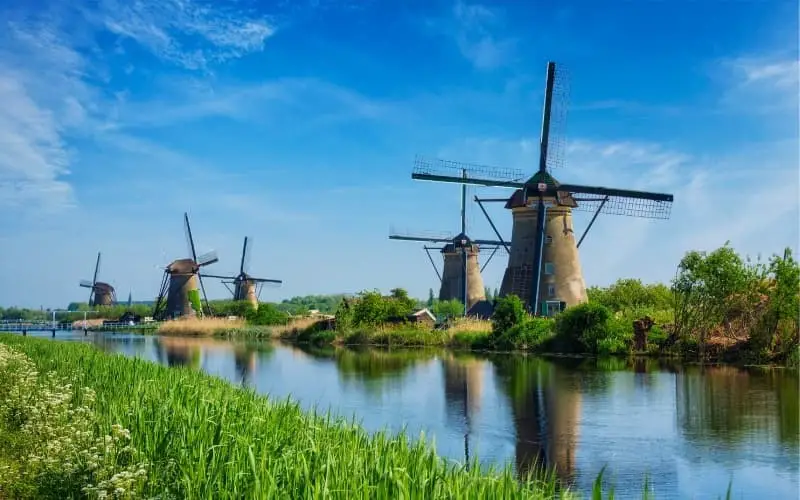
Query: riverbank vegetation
x=719 y=306
x=67 y=430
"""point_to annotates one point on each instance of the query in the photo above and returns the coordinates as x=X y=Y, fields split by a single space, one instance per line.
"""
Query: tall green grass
x=204 y=438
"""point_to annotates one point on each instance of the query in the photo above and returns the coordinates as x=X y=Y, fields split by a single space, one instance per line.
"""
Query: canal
x=689 y=430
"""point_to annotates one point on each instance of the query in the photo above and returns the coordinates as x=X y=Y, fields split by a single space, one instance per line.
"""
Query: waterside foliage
x=719 y=306
x=194 y=436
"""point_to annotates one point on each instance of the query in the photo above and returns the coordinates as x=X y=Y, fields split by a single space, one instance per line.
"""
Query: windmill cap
x=534 y=186
x=182 y=266
x=460 y=241
x=99 y=285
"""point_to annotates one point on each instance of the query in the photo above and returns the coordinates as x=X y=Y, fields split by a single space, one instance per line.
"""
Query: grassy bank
x=76 y=421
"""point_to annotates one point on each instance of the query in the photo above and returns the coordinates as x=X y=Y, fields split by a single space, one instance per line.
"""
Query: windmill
x=544 y=267
x=178 y=295
x=100 y=294
x=461 y=276
x=246 y=287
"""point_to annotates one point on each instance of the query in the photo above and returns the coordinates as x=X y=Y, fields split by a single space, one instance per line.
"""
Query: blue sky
x=296 y=123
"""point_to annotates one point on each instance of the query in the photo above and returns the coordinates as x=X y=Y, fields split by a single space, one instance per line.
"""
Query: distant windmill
x=179 y=295
x=461 y=276
x=543 y=267
x=246 y=287
x=101 y=294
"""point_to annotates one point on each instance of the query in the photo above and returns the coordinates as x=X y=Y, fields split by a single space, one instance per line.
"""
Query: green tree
x=266 y=314
x=431 y=298
x=508 y=311
x=631 y=294
x=781 y=322
x=447 y=308
x=370 y=309
x=703 y=287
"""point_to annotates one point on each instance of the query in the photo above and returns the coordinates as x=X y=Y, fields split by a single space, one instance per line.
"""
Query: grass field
x=134 y=429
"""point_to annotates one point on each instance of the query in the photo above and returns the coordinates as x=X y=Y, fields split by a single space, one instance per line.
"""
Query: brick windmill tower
x=461 y=274
x=245 y=286
x=544 y=267
x=179 y=295
x=101 y=293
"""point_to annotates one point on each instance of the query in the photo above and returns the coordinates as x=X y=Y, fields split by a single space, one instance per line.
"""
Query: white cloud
x=34 y=117
x=476 y=31
x=320 y=101
x=185 y=32
x=52 y=79
x=761 y=84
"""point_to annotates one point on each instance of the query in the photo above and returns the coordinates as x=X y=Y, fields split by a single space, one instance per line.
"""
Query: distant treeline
x=296 y=306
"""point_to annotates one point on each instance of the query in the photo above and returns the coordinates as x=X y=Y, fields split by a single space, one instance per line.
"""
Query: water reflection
x=244 y=359
x=731 y=405
x=545 y=401
x=690 y=428
x=462 y=377
x=178 y=351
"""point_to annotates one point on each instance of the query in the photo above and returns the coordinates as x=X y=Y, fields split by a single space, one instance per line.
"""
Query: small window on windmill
x=551 y=291
x=548 y=239
x=542 y=187
x=549 y=268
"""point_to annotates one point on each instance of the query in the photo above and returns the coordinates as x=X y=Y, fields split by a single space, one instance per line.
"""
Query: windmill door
x=552 y=307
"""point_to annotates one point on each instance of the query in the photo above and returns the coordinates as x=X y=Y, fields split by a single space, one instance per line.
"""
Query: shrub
x=529 y=333
x=657 y=336
x=447 y=308
x=580 y=327
x=615 y=337
x=508 y=311
x=266 y=314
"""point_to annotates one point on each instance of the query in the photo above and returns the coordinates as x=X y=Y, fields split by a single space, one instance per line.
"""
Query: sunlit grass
x=199 y=326
x=294 y=326
x=470 y=325
x=205 y=438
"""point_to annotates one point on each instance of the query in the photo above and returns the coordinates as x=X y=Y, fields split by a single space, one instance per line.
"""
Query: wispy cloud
x=478 y=32
x=34 y=117
x=761 y=83
x=478 y=36
x=322 y=102
x=53 y=80
x=184 y=32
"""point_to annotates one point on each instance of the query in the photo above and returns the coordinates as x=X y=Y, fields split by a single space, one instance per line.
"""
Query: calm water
x=690 y=429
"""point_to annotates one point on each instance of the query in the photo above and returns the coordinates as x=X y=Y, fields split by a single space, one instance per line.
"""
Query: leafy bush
x=266 y=314
x=370 y=309
x=447 y=308
x=472 y=340
x=580 y=327
x=615 y=337
x=529 y=333
x=657 y=336
x=628 y=293
x=508 y=311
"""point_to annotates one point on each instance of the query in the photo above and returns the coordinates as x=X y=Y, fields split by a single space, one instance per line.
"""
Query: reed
x=470 y=325
x=294 y=326
x=199 y=326
x=204 y=438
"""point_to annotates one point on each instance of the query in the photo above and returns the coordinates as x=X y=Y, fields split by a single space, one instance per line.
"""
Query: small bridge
x=51 y=326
